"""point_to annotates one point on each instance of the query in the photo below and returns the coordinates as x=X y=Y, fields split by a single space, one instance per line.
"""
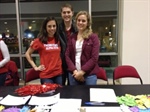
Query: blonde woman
x=82 y=52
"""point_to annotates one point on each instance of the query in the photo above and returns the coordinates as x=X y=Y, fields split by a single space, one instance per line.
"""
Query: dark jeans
x=65 y=78
x=56 y=79
x=2 y=79
x=89 y=80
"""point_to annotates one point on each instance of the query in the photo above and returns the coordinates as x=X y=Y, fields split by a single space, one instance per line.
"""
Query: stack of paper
x=14 y=100
x=67 y=105
x=102 y=95
x=49 y=100
x=1 y=98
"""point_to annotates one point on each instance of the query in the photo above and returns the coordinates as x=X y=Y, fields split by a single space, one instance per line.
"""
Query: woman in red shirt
x=48 y=46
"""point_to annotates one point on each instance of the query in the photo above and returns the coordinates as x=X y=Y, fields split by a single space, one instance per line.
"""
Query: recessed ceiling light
x=30 y=27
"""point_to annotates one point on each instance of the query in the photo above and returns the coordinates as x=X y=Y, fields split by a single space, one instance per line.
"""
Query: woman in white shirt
x=4 y=58
x=82 y=52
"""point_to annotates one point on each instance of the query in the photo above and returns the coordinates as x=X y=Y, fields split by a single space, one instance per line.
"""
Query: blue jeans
x=56 y=79
x=89 y=80
x=2 y=79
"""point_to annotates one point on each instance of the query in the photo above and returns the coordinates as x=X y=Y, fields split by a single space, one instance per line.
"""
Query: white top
x=79 y=44
x=5 y=53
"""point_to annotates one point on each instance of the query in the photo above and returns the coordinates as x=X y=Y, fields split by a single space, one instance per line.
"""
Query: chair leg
x=113 y=82
x=107 y=83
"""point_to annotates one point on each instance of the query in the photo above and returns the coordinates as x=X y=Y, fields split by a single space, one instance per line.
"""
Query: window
x=104 y=16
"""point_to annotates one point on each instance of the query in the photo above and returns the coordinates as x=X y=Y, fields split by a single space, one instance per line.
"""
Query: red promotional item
x=36 y=89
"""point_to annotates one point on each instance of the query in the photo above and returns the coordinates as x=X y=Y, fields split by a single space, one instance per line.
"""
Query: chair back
x=31 y=74
x=102 y=74
x=12 y=78
x=125 y=71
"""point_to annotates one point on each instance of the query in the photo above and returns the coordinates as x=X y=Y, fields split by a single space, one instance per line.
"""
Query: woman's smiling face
x=66 y=14
x=51 y=28
x=81 y=22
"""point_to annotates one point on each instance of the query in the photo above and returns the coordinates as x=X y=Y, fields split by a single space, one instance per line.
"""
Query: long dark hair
x=43 y=35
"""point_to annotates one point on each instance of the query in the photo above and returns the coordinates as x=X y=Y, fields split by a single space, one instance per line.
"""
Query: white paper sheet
x=67 y=105
x=49 y=100
x=103 y=109
x=1 y=98
x=14 y=100
x=102 y=95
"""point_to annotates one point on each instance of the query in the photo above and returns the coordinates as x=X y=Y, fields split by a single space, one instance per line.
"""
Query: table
x=82 y=92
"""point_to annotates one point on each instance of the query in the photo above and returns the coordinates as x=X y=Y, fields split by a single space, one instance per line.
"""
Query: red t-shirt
x=68 y=33
x=49 y=56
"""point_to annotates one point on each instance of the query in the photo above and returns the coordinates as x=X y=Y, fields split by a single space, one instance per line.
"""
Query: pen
x=94 y=103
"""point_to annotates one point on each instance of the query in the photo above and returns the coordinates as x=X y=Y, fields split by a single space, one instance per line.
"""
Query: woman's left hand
x=79 y=75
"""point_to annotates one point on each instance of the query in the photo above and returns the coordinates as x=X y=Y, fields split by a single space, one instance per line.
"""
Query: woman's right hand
x=78 y=75
x=39 y=68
